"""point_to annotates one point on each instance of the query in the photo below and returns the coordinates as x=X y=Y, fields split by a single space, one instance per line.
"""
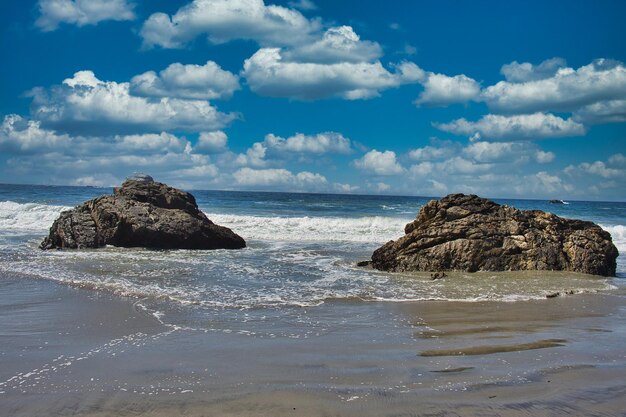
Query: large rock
x=140 y=213
x=468 y=233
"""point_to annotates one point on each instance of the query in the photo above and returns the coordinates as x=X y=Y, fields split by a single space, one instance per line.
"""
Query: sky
x=509 y=99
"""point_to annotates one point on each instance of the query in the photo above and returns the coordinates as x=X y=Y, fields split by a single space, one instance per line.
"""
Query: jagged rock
x=468 y=233
x=140 y=213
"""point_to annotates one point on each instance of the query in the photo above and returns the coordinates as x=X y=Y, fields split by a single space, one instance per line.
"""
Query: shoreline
x=124 y=362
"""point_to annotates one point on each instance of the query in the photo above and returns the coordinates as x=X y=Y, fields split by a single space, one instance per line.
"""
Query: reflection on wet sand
x=487 y=350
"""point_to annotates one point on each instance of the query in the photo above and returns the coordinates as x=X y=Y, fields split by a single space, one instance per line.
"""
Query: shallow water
x=287 y=316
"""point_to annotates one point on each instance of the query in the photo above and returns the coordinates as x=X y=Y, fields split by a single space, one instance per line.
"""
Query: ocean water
x=291 y=320
x=302 y=250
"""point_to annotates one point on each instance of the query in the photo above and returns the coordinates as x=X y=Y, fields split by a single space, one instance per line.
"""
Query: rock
x=553 y=295
x=438 y=275
x=556 y=202
x=363 y=263
x=140 y=213
x=468 y=233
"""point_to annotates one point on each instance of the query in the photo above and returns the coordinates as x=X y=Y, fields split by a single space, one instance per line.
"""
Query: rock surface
x=140 y=213
x=468 y=233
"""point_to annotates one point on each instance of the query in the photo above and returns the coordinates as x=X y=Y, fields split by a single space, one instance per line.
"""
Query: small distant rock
x=468 y=233
x=438 y=275
x=140 y=213
x=364 y=263
x=140 y=177
x=553 y=295
x=556 y=202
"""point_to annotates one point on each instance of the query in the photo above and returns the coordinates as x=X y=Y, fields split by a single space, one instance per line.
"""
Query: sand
x=71 y=351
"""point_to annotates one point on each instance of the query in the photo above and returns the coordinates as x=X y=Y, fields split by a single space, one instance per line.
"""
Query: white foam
x=618 y=234
x=373 y=229
x=28 y=217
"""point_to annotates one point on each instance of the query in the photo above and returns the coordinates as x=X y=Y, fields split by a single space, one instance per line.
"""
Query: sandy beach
x=69 y=351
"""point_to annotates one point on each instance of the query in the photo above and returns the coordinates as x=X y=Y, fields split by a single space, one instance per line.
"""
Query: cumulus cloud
x=379 y=187
x=345 y=188
x=81 y=12
x=35 y=153
x=566 y=90
x=196 y=82
x=379 y=163
x=270 y=178
x=506 y=152
x=268 y=74
x=338 y=44
x=26 y=136
x=610 y=111
x=224 y=20
x=516 y=127
x=86 y=105
x=521 y=73
x=277 y=147
x=613 y=169
x=321 y=143
x=441 y=90
x=212 y=142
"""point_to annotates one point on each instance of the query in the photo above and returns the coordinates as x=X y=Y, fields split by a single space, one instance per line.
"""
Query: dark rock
x=556 y=202
x=553 y=295
x=140 y=213
x=364 y=263
x=468 y=233
x=438 y=275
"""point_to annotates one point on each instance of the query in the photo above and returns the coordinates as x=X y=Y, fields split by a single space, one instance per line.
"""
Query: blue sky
x=503 y=99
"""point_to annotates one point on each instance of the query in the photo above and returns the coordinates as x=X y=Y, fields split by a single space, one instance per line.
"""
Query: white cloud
x=520 y=73
x=81 y=12
x=302 y=5
x=268 y=74
x=544 y=157
x=274 y=148
x=86 y=105
x=225 y=20
x=567 y=90
x=379 y=187
x=598 y=168
x=345 y=188
x=429 y=153
x=379 y=163
x=441 y=90
x=542 y=184
x=211 y=142
x=150 y=143
x=617 y=159
x=26 y=136
x=199 y=82
x=254 y=156
x=338 y=44
x=610 y=111
x=518 y=152
x=97 y=180
x=269 y=178
x=422 y=169
x=321 y=143
x=516 y=127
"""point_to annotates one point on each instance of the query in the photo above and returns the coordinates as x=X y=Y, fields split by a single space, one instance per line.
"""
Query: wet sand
x=70 y=351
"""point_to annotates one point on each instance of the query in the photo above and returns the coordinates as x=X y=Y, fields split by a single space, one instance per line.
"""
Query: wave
x=28 y=216
x=367 y=229
x=618 y=234
x=335 y=229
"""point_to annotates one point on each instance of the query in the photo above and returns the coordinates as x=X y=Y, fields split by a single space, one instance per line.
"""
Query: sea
x=297 y=279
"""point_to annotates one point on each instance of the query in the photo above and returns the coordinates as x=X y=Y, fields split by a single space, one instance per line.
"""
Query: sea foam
x=27 y=217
